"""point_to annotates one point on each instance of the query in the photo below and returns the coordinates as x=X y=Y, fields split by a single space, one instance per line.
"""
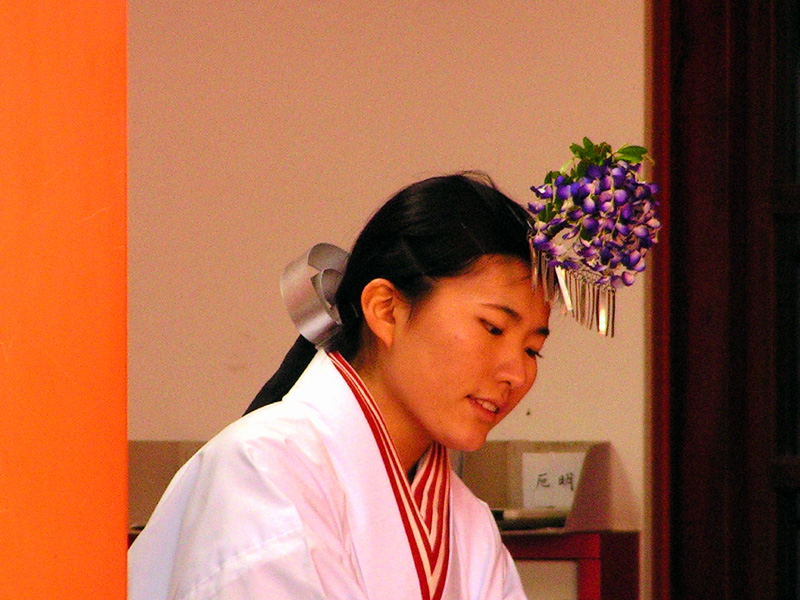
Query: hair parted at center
x=435 y=228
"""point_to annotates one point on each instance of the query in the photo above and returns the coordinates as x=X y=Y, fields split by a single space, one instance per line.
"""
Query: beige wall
x=260 y=128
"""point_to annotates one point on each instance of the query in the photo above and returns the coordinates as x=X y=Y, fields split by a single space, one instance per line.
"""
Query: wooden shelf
x=608 y=561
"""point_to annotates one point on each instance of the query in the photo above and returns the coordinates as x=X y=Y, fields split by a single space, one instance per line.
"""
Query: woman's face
x=463 y=358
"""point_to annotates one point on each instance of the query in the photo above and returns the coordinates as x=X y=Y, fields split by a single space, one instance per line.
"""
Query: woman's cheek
x=532 y=379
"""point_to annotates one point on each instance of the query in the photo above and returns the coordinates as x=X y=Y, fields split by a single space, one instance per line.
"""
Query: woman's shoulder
x=266 y=441
x=287 y=441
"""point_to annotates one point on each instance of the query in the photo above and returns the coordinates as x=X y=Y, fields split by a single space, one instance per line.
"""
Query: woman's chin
x=467 y=443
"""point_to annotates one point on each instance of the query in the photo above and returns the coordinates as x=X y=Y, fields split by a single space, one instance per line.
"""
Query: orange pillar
x=62 y=299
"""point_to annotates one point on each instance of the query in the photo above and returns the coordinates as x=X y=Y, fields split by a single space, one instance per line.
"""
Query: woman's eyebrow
x=506 y=309
x=543 y=331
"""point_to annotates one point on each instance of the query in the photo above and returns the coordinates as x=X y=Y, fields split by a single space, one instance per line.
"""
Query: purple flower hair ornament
x=593 y=223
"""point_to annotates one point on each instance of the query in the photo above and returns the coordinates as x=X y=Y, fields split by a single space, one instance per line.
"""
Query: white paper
x=550 y=479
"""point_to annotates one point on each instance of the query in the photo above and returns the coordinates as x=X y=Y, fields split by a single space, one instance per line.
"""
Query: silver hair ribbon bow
x=308 y=288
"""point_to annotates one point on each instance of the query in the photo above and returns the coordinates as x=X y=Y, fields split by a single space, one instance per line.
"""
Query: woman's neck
x=408 y=436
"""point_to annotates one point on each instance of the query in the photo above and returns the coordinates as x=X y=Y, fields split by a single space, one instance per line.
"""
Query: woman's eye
x=493 y=329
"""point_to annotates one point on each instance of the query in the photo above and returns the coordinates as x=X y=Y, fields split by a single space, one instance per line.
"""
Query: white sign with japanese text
x=550 y=479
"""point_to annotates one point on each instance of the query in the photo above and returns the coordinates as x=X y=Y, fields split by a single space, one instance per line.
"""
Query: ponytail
x=293 y=365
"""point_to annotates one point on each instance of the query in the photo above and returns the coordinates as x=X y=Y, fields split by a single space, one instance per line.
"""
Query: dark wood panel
x=661 y=57
x=714 y=301
x=785 y=473
x=786 y=200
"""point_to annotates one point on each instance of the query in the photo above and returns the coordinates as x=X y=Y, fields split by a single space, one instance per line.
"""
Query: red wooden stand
x=608 y=561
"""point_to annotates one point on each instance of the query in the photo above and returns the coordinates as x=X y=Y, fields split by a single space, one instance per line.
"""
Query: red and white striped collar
x=424 y=504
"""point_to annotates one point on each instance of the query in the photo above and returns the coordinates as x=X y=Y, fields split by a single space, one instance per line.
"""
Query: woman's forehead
x=502 y=283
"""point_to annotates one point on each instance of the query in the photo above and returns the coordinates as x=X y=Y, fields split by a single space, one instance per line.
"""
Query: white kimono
x=293 y=501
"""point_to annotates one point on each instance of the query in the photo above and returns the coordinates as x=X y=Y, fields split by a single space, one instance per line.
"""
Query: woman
x=343 y=490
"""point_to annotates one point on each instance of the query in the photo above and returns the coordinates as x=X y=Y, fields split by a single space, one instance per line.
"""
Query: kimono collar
x=424 y=504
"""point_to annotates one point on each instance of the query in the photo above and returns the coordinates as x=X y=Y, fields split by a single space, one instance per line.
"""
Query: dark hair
x=438 y=227
x=435 y=228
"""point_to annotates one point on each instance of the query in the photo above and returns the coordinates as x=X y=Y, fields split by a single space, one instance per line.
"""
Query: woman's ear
x=383 y=307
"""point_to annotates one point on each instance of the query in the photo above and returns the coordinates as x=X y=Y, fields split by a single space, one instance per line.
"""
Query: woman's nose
x=513 y=369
